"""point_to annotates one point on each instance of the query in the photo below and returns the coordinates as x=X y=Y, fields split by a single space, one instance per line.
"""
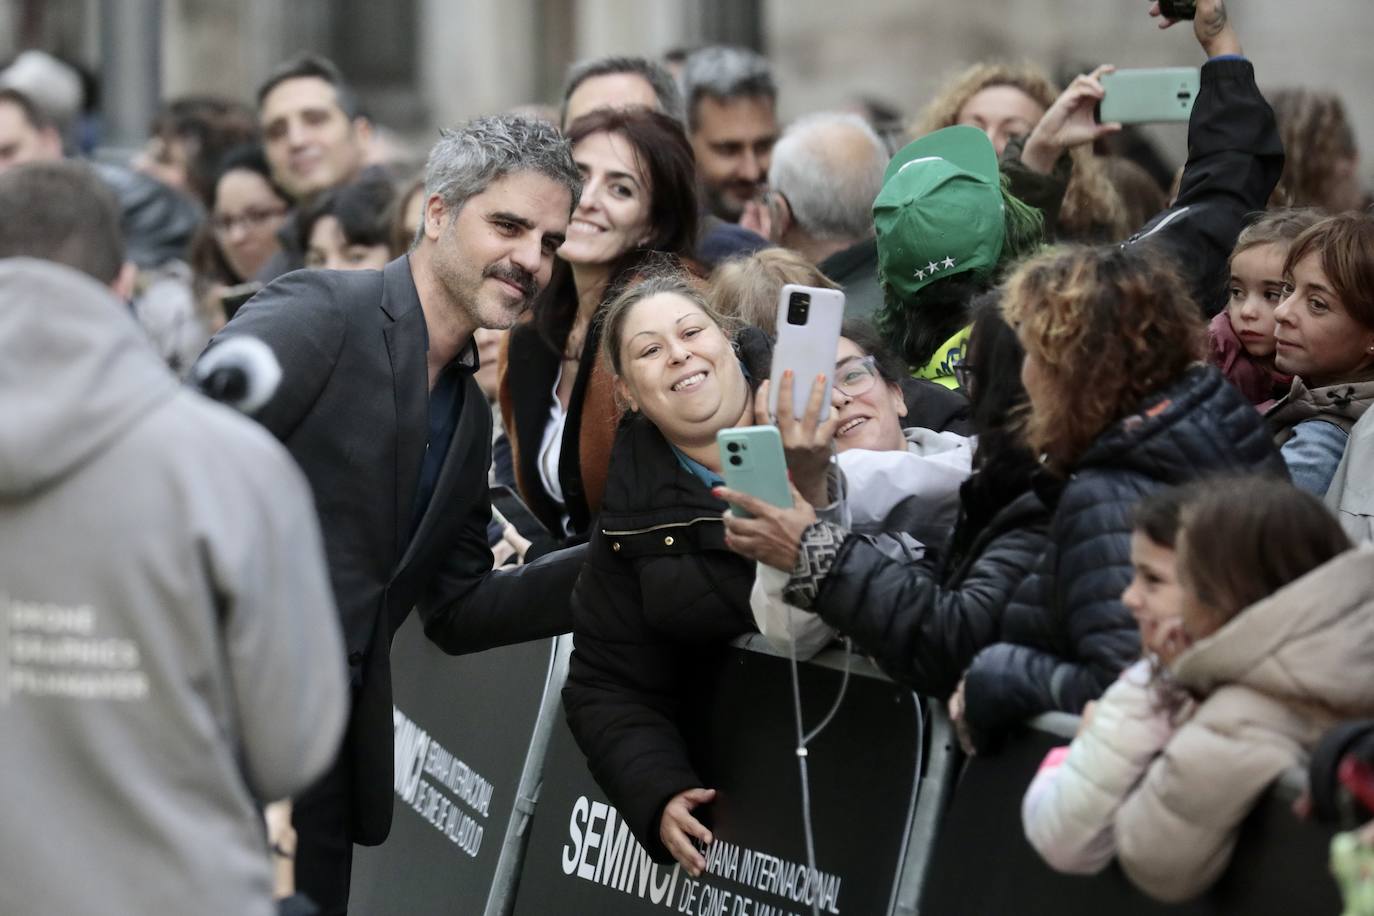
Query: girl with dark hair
x=1325 y=335
x=638 y=200
x=1240 y=339
x=349 y=228
x=1253 y=614
x=1069 y=809
x=1278 y=624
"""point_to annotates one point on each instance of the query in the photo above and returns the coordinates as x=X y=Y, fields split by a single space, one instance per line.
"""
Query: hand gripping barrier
x=869 y=804
x=496 y=811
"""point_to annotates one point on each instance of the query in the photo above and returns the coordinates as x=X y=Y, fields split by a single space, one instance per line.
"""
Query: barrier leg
x=501 y=899
x=936 y=782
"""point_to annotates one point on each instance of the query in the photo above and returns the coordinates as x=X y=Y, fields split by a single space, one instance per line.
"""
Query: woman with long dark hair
x=638 y=201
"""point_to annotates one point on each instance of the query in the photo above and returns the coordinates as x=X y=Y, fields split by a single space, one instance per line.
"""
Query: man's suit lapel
x=405 y=344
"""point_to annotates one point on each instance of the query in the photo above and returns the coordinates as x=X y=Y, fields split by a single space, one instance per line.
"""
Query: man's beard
x=729 y=208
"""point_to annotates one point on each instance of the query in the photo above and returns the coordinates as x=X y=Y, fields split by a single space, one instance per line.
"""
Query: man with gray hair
x=618 y=82
x=379 y=406
x=732 y=121
x=827 y=170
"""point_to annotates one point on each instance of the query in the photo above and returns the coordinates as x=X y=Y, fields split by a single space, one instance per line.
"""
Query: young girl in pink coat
x=1241 y=337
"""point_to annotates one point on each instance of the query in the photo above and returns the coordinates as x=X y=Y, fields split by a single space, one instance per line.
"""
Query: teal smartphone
x=753 y=463
x=1147 y=96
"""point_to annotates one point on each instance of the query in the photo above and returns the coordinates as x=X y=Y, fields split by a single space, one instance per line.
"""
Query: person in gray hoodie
x=169 y=649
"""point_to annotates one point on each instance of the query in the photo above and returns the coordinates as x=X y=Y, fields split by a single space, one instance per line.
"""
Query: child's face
x=1154 y=597
x=1255 y=291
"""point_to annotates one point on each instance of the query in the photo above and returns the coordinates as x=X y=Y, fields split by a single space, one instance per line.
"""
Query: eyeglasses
x=963 y=374
x=856 y=376
x=223 y=223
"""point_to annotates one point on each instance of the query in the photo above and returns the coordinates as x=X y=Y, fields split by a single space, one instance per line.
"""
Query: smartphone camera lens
x=798 y=308
x=736 y=460
x=732 y=446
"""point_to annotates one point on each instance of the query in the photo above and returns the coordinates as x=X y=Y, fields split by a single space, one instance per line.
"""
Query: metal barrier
x=984 y=865
x=468 y=750
x=864 y=799
x=893 y=834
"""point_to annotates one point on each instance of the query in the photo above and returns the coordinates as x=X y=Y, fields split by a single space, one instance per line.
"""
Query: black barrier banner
x=582 y=857
x=462 y=731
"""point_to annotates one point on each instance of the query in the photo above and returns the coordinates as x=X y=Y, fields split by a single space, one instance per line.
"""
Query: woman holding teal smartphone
x=661 y=595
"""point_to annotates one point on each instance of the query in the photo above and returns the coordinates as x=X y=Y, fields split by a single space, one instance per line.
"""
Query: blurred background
x=420 y=64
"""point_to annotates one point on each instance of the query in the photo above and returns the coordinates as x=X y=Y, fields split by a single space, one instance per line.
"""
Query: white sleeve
x=783 y=625
x=930 y=470
x=1069 y=811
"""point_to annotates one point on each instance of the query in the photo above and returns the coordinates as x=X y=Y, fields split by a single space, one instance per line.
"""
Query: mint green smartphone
x=753 y=462
x=1146 y=96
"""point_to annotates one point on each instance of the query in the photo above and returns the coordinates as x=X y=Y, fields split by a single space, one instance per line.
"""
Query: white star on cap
x=920 y=275
x=932 y=267
x=948 y=263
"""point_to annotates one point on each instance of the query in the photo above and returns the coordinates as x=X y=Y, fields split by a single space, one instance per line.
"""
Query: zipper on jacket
x=663 y=527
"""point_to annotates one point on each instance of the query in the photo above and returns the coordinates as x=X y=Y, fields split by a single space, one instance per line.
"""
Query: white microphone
x=242 y=373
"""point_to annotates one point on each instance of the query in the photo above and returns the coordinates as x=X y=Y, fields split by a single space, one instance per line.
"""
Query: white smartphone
x=809 y=320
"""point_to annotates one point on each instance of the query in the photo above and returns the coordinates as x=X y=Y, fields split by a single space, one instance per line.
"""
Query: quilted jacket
x=1065 y=634
x=1273 y=680
x=924 y=625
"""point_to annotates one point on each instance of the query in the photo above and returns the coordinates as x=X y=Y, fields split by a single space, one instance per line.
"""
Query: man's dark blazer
x=352 y=408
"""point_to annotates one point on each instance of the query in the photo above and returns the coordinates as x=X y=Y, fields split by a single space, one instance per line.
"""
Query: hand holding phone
x=1150 y=95
x=752 y=462
x=809 y=319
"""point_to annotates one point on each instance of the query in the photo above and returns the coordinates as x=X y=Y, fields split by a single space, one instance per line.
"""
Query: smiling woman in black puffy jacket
x=660 y=596
x=1120 y=406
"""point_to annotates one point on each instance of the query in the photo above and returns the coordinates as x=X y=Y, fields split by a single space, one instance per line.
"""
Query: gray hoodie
x=169 y=649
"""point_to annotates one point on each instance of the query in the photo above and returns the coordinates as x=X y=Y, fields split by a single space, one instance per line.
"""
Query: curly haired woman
x=1120 y=406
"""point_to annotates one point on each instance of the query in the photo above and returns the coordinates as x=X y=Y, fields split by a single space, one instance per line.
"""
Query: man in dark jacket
x=379 y=406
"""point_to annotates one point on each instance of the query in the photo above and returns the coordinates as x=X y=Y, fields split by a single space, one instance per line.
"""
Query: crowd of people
x=1097 y=444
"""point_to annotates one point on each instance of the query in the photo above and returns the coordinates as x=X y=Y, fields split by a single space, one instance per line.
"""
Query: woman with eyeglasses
x=896 y=479
x=247 y=210
x=921 y=617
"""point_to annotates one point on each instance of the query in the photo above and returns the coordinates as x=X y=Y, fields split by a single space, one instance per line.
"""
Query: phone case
x=752 y=461
x=1143 y=96
x=807 y=349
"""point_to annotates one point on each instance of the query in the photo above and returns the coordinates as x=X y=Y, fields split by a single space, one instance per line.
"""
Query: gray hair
x=829 y=186
x=660 y=80
x=724 y=72
x=468 y=159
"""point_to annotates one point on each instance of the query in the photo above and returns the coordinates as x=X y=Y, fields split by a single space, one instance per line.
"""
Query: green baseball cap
x=940 y=211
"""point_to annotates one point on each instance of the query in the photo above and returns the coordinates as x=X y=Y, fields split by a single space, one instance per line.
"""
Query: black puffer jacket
x=1066 y=635
x=658 y=600
x=923 y=627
